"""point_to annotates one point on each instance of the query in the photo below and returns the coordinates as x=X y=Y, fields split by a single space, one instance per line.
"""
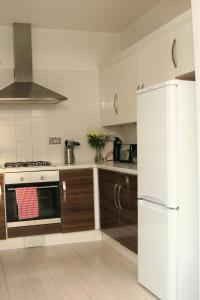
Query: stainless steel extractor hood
x=24 y=90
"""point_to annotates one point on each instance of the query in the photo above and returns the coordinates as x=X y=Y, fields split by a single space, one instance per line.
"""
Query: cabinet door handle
x=119 y=197
x=1 y=194
x=115 y=196
x=116 y=104
x=173 y=56
x=138 y=87
x=64 y=191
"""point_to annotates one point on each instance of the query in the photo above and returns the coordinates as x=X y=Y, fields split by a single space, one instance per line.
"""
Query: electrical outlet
x=54 y=140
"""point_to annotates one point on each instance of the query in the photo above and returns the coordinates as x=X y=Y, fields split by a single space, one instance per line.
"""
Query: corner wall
x=155 y=18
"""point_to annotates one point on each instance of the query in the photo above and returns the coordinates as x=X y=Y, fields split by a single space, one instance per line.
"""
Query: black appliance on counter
x=124 y=152
x=116 y=149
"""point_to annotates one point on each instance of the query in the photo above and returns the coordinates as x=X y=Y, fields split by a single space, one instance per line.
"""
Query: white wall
x=67 y=62
x=72 y=50
x=159 y=15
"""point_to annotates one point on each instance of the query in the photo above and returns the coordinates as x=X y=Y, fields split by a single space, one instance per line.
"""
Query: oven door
x=48 y=203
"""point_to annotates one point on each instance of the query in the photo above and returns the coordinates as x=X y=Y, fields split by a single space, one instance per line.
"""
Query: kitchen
x=99 y=71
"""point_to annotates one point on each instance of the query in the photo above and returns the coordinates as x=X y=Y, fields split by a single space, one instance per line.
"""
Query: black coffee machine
x=116 y=149
x=124 y=152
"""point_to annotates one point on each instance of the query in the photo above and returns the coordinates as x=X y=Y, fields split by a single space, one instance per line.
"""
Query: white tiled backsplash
x=66 y=62
x=129 y=134
x=25 y=129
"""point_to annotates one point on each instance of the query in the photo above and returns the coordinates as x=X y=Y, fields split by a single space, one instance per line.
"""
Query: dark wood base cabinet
x=118 y=207
x=2 y=210
x=33 y=230
x=77 y=200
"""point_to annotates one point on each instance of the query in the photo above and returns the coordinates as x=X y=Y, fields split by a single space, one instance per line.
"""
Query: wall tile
x=25 y=130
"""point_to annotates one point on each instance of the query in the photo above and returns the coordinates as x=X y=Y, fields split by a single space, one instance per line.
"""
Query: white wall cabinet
x=156 y=62
x=118 y=91
x=183 y=49
x=108 y=83
x=166 y=57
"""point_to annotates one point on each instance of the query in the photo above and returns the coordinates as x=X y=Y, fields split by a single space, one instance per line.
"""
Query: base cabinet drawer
x=77 y=200
x=33 y=230
x=118 y=207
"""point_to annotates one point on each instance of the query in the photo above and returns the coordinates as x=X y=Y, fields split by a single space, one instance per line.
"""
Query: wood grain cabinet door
x=109 y=211
x=128 y=220
x=2 y=210
x=77 y=200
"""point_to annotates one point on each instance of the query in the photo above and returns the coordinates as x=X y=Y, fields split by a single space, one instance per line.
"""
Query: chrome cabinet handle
x=115 y=196
x=119 y=198
x=142 y=86
x=173 y=57
x=115 y=104
x=1 y=194
x=42 y=177
x=64 y=191
x=138 y=87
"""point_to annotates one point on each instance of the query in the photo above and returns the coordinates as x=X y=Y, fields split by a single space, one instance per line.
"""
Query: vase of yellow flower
x=97 y=141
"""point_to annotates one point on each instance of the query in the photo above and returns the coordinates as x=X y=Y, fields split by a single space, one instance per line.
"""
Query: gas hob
x=23 y=164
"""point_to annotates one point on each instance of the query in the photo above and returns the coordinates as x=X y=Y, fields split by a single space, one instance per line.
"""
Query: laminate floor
x=86 y=271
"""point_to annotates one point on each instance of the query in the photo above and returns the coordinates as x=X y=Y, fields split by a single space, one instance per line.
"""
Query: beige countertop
x=113 y=166
x=119 y=167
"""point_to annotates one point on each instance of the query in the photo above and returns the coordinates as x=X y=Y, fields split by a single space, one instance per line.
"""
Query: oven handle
x=64 y=191
x=37 y=187
x=1 y=196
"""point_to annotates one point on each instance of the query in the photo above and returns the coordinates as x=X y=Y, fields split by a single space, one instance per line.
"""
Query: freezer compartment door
x=157 y=145
x=157 y=249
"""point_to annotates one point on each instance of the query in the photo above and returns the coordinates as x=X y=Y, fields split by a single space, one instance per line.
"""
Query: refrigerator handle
x=151 y=199
x=152 y=206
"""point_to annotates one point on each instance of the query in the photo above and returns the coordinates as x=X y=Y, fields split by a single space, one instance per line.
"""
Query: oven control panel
x=30 y=177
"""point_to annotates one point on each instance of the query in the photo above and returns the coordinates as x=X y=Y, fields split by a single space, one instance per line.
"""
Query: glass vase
x=98 y=156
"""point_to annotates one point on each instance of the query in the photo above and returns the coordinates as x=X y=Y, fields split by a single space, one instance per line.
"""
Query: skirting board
x=51 y=239
x=121 y=249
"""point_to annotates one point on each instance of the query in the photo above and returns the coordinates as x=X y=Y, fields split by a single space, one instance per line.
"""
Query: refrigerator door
x=157 y=134
x=157 y=249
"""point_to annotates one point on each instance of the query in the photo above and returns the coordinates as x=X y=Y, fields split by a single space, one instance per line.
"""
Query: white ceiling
x=89 y=15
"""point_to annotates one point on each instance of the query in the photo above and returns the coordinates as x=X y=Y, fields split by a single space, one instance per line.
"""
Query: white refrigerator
x=167 y=190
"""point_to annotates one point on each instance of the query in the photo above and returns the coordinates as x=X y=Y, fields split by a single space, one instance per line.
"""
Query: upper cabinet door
x=183 y=50
x=156 y=62
x=128 y=82
x=118 y=91
x=109 y=101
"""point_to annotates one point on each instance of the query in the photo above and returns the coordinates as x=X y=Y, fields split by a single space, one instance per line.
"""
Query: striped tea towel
x=27 y=201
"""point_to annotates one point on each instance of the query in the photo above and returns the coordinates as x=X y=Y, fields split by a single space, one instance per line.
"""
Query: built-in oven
x=46 y=184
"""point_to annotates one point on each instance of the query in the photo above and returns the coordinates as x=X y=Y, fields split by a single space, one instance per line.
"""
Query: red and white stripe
x=27 y=201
